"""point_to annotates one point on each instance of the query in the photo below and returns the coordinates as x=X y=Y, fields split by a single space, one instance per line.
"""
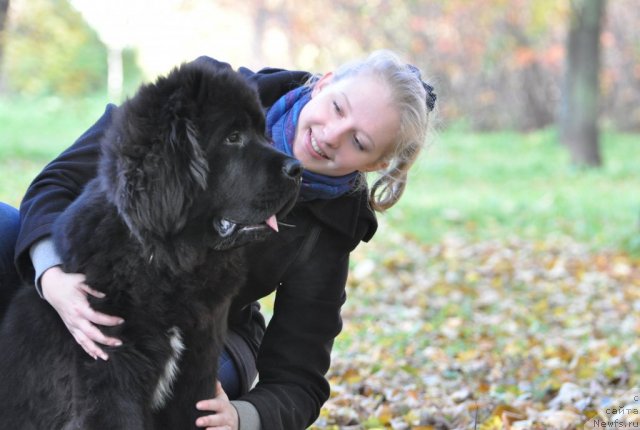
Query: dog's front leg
x=196 y=381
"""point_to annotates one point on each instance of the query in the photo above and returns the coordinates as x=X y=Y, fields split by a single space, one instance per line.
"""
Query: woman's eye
x=337 y=108
x=358 y=144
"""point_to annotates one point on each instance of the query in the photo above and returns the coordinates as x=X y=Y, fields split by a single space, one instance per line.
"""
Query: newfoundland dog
x=186 y=176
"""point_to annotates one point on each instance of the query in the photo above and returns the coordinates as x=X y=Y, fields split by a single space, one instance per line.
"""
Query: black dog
x=186 y=177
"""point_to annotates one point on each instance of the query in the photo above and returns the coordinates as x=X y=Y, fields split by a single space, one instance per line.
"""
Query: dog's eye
x=234 y=138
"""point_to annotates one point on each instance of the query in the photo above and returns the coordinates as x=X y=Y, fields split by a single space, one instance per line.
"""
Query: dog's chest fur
x=167 y=378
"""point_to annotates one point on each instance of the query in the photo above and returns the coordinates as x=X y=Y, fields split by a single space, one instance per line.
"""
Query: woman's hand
x=67 y=293
x=225 y=416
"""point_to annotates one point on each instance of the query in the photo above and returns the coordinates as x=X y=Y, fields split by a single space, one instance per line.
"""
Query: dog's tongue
x=272 y=222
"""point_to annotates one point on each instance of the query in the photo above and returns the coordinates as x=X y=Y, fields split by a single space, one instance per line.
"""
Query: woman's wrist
x=49 y=277
x=248 y=416
x=43 y=257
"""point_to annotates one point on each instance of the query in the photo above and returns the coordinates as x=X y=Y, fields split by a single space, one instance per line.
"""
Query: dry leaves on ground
x=492 y=335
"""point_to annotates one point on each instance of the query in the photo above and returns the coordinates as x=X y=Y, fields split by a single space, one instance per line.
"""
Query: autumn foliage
x=492 y=335
x=496 y=63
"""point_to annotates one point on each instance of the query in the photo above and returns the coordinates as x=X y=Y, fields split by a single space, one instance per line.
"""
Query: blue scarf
x=282 y=120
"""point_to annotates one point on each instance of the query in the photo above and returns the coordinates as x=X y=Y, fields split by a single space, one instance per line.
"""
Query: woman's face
x=347 y=125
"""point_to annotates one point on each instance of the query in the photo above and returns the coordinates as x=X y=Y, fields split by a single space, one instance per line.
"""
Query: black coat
x=307 y=265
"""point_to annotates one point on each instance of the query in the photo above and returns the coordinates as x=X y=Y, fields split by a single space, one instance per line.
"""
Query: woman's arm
x=59 y=184
x=50 y=193
x=295 y=352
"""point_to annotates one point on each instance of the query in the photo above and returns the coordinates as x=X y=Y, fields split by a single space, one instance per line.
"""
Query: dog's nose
x=292 y=168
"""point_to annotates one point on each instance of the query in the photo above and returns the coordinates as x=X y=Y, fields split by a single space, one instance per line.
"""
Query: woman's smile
x=316 y=147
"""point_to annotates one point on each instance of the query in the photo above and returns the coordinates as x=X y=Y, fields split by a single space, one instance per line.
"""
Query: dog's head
x=187 y=163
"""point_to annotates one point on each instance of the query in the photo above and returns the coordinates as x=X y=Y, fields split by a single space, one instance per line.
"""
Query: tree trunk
x=4 y=11
x=579 y=118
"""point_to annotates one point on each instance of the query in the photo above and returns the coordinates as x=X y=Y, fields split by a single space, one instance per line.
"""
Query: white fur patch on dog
x=165 y=383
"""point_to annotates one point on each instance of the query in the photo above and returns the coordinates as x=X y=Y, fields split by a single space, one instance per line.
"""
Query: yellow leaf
x=484 y=387
x=384 y=414
x=501 y=417
x=351 y=376
x=509 y=414
x=493 y=423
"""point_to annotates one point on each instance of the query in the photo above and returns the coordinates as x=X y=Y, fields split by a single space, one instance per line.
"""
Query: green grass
x=478 y=186
x=497 y=185
x=33 y=132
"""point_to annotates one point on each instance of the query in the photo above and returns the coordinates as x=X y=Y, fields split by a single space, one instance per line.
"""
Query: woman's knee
x=229 y=376
x=9 y=227
x=9 y=279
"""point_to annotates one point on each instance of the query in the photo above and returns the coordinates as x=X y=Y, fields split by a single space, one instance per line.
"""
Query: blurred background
x=538 y=109
x=497 y=64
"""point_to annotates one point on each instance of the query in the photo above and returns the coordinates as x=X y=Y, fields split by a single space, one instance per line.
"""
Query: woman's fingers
x=67 y=293
x=87 y=289
x=207 y=405
x=86 y=334
x=225 y=415
x=96 y=335
x=94 y=316
x=88 y=345
x=217 y=421
x=88 y=313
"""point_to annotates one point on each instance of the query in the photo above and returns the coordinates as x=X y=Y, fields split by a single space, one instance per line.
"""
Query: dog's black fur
x=186 y=177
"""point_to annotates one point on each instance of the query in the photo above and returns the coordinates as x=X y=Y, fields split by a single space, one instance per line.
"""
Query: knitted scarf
x=282 y=119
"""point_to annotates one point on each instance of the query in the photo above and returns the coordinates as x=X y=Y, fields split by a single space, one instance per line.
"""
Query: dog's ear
x=159 y=165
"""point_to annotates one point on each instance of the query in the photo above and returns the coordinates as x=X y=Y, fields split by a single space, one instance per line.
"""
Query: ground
x=499 y=334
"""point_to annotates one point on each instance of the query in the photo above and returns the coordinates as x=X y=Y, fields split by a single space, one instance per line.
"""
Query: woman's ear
x=375 y=166
x=322 y=82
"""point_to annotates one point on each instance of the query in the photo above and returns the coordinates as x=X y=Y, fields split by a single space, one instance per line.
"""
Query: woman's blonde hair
x=414 y=100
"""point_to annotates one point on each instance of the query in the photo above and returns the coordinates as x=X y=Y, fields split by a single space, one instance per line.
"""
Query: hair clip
x=431 y=95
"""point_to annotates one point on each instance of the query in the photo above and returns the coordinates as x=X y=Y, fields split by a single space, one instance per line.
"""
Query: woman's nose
x=332 y=143
x=334 y=134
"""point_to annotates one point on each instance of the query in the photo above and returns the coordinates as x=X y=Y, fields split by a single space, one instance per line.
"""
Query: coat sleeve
x=55 y=188
x=271 y=83
x=274 y=83
x=295 y=352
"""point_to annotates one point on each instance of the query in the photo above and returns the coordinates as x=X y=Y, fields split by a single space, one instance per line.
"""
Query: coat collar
x=349 y=214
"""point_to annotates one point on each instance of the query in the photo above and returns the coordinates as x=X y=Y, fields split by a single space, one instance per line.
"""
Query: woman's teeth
x=316 y=148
